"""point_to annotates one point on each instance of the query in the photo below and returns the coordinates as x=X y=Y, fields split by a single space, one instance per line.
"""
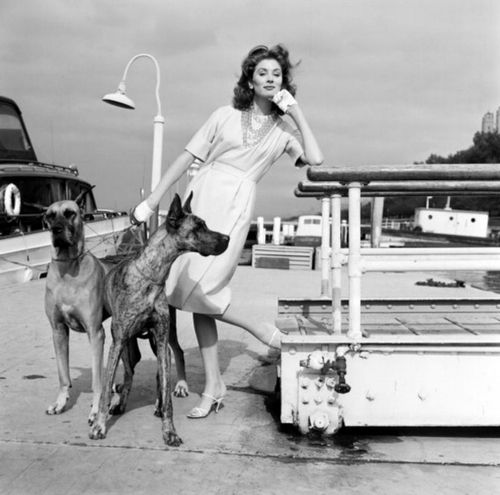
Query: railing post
x=336 y=264
x=354 y=261
x=325 y=246
x=377 y=216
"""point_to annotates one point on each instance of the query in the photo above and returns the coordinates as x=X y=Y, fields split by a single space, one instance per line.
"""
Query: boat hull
x=26 y=257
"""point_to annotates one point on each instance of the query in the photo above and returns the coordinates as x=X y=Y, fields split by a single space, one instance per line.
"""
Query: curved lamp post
x=120 y=99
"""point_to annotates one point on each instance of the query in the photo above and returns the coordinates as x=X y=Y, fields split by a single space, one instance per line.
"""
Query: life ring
x=11 y=200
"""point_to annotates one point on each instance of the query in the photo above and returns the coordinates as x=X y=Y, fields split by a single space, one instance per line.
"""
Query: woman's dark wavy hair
x=243 y=95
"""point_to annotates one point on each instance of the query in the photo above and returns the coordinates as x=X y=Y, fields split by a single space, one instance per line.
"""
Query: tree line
x=485 y=149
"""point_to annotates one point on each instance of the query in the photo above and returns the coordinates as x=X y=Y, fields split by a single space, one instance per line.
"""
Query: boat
x=27 y=188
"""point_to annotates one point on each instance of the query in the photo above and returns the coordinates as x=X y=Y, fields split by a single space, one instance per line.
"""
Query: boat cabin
x=38 y=184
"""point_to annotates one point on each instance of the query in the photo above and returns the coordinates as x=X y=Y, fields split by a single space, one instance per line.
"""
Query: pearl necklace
x=255 y=126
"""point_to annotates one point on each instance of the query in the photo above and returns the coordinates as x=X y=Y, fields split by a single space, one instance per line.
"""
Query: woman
x=238 y=144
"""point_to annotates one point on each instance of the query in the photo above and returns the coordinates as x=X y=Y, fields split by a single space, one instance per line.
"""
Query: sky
x=380 y=81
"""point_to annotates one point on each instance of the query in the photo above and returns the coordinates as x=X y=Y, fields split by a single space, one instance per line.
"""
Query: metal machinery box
x=419 y=363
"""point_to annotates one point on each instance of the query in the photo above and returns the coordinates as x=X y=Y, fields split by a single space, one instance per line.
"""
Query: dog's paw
x=54 y=409
x=97 y=431
x=117 y=406
x=94 y=410
x=181 y=389
x=172 y=439
x=58 y=407
x=157 y=411
x=91 y=419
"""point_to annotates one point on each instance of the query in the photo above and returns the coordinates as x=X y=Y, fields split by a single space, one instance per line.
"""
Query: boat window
x=12 y=135
x=312 y=221
x=38 y=193
x=75 y=188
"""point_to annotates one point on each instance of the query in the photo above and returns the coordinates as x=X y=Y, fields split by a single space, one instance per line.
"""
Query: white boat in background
x=27 y=188
x=452 y=222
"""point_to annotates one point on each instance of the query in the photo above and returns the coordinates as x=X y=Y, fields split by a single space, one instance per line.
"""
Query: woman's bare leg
x=206 y=333
x=267 y=333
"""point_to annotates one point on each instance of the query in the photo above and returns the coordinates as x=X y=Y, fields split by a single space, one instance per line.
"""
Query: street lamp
x=120 y=99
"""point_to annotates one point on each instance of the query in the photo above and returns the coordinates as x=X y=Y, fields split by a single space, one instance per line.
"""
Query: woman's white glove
x=140 y=213
x=284 y=100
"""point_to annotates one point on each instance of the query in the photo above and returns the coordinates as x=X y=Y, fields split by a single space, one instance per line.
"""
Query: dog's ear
x=187 y=203
x=80 y=199
x=175 y=214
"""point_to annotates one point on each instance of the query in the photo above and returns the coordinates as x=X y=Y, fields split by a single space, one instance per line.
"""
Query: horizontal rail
x=377 y=194
x=306 y=307
x=446 y=252
x=427 y=265
x=398 y=340
x=438 y=171
x=425 y=259
x=413 y=187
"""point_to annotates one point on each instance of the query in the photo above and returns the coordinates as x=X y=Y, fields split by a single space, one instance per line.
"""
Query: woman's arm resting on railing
x=312 y=152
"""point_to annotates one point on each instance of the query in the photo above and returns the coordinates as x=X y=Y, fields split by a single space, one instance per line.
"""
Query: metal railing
x=332 y=183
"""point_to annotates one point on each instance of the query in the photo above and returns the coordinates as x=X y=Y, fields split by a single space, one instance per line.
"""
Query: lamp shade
x=119 y=99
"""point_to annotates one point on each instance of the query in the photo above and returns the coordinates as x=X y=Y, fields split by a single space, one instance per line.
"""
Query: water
x=484 y=280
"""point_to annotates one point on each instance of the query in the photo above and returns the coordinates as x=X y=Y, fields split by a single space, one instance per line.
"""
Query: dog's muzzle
x=62 y=235
x=217 y=247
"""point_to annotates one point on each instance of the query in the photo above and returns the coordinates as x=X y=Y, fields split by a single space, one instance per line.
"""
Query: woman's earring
x=251 y=87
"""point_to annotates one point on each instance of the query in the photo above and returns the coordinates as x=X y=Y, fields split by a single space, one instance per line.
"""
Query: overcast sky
x=381 y=81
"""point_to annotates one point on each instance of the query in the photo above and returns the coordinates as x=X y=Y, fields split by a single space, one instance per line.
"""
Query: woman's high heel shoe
x=274 y=341
x=200 y=412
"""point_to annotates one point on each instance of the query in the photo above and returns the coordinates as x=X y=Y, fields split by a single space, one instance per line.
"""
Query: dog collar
x=68 y=259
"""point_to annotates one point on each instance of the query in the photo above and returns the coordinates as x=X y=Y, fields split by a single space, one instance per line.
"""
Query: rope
x=131 y=248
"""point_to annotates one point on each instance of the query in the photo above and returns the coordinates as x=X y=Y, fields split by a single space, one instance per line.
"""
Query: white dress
x=224 y=196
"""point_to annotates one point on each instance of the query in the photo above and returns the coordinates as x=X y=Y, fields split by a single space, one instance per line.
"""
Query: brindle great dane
x=135 y=297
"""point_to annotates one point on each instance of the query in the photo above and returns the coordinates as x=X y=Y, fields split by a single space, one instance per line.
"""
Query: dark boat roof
x=4 y=99
x=21 y=168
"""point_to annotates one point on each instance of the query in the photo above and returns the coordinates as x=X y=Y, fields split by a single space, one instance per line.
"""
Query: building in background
x=488 y=124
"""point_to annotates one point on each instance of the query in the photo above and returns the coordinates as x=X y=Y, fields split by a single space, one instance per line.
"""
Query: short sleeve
x=200 y=143
x=294 y=147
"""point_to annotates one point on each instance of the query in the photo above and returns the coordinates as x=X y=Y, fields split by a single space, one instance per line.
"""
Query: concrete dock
x=240 y=450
